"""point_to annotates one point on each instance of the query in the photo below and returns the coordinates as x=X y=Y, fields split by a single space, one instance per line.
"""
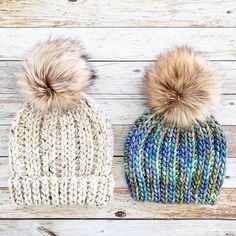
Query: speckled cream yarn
x=61 y=145
x=61 y=158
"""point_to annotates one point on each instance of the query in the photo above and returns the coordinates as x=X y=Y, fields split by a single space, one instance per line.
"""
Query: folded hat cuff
x=58 y=191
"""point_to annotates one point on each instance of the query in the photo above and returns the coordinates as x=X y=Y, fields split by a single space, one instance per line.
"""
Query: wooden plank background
x=116 y=13
x=122 y=38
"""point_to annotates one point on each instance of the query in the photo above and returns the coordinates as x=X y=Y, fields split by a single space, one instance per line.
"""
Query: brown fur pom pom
x=181 y=88
x=55 y=74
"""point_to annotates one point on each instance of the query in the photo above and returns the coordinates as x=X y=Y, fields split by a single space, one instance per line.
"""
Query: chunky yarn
x=176 y=152
x=61 y=144
x=175 y=165
x=61 y=158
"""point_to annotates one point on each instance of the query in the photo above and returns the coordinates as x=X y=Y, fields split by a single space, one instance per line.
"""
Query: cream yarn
x=61 y=157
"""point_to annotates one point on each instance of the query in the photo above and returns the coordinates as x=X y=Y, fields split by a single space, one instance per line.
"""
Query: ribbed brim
x=59 y=191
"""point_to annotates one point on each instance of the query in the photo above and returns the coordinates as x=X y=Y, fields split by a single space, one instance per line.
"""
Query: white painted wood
x=116 y=77
x=119 y=228
x=60 y=13
x=118 y=172
x=124 y=207
x=115 y=80
x=124 y=43
x=119 y=92
x=122 y=109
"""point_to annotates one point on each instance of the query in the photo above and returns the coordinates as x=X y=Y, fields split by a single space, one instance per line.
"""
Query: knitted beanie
x=61 y=145
x=176 y=152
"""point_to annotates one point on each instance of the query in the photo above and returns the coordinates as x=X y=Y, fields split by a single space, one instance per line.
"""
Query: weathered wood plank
x=124 y=43
x=118 y=172
x=123 y=205
x=60 y=13
x=124 y=109
x=119 y=228
x=120 y=133
x=115 y=77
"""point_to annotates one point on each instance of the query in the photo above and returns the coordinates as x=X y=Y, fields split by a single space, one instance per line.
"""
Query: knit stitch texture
x=175 y=165
x=61 y=157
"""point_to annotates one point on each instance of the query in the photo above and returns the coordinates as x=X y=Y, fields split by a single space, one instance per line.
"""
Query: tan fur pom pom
x=55 y=74
x=181 y=87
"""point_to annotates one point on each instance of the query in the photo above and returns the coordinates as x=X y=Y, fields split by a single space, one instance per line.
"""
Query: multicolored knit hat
x=61 y=145
x=176 y=152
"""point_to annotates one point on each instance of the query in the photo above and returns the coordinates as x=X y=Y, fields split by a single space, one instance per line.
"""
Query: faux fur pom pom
x=181 y=87
x=55 y=74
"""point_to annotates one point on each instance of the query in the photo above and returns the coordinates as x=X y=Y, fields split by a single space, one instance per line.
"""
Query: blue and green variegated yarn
x=173 y=165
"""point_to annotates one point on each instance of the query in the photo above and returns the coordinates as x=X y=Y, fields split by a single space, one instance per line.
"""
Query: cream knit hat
x=61 y=146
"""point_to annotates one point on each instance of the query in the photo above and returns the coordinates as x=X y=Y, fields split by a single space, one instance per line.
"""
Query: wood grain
x=122 y=109
x=61 y=13
x=122 y=37
x=124 y=207
x=116 y=80
x=115 y=44
x=119 y=228
x=115 y=77
x=118 y=172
